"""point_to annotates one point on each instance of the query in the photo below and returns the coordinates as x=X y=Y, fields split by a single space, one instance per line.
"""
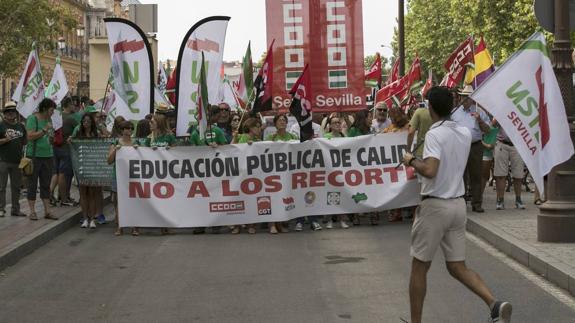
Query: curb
x=21 y=248
x=549 y=268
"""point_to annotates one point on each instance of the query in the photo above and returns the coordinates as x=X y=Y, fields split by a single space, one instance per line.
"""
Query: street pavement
x=355 y=275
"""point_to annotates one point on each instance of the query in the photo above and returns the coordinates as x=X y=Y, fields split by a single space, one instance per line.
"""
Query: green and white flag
x=57 y=90
x=524 y=97
x=30 y=89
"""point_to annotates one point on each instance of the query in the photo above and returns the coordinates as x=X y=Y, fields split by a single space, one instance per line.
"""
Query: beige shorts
x=504 y=155
x=439 y=222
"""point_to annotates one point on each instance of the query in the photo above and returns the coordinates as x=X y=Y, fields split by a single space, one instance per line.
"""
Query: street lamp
x=80 y=33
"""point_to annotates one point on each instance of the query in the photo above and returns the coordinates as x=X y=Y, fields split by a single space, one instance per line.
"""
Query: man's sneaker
x=298 y=226
x=329 y=224
x=500 y=205
x=315 y=226
x=101 y=219
x=84 y=223
x=519 y=204
x=66 y=203
x=2 y=213
x=92 y=224
x=501 y=312
x=344 y=225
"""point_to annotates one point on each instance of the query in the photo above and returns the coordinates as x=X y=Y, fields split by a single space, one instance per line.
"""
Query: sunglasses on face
x=235 y=120
x=128 y=129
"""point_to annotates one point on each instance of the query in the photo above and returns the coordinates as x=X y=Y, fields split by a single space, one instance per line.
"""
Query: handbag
x=27 y=164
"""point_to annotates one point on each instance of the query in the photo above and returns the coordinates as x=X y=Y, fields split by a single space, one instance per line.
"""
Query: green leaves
x=434 y=28
x=26 y=21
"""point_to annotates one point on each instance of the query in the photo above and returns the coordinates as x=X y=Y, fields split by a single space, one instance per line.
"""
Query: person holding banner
x=39 y=149
x=213 y=137
x=280 y=122
x=161 y=135
x=125 y=129
x=441 y=217
x=381 y=121
x=91 y=198
x=252 y=129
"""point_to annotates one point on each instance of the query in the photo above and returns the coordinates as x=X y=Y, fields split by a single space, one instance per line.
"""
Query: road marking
x=557 y=292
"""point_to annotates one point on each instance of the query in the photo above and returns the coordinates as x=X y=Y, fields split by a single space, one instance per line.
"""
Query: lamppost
x=401 y=37
x=556 y=219
x=80 y=33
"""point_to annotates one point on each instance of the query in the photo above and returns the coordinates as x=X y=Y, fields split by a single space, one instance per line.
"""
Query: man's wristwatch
x=410 y=161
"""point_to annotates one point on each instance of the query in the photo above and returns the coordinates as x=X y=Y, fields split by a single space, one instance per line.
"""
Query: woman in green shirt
x=333 y=128
x=40 y=135
x=91 y=200
x=252 y=132
x=161 y=135
x=361 y=124
x=280 y=122
x=124 y=129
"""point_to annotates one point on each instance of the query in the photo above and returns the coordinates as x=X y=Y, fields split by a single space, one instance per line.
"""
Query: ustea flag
x=203 y=101
x=58 y=87
x=524 y=97
x=132 y=67
x=30 y=89
x=207 y=36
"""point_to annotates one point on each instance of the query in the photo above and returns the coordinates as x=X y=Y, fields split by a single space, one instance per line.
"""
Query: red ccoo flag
x=455 y=64
x=374 y=72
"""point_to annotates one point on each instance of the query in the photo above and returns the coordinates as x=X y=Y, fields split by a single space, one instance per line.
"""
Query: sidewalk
x=19 y=236
x=514 y=232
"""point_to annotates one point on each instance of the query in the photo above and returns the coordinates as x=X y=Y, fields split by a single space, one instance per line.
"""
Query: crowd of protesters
x=492 y=155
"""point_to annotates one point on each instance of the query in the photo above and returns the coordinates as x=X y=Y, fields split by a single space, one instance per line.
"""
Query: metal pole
x=556 y=220
x=401 y=34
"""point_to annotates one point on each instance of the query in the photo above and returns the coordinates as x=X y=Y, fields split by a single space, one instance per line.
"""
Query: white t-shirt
x=449 y=143
x=377 y=127
x=316 y=130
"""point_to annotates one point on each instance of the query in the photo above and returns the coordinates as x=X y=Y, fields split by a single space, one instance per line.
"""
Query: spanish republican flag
x=483 y=66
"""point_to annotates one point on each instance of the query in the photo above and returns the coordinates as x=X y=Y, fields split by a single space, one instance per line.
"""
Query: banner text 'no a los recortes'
x=327 y=35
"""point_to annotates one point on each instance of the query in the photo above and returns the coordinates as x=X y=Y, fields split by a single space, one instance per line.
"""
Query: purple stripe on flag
x=483 y=75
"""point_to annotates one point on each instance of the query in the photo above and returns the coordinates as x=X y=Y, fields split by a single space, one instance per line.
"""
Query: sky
x=248 y=22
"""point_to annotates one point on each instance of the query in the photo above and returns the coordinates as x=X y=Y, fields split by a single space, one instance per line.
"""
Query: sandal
x=33 y=216
x=118 y=232
x=135 y=232
x=49 y=216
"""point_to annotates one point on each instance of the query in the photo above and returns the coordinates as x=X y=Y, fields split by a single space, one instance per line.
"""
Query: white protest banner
x=207 y=35
x=132 y=68
x=263 y=182
x=57 y=89
x=524 y=97
x=30 y=89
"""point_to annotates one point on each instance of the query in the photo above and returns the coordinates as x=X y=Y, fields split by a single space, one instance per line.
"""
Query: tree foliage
x=434 y=28
x=25 y=21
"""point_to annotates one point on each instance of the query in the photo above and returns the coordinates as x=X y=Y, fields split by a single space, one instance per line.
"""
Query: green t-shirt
x=43 y=146
x=11 y=152
x=244 y=138
x=161 y=141
x=354 y=132
x=69 y=124
x=285 y=137
x=77 y=116
x=490 y=138
x=214 y=134
x=330 y=135
x=420 y=121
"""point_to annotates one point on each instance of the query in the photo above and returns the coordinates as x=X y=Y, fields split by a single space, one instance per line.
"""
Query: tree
x=434 y=28
x=26 y=21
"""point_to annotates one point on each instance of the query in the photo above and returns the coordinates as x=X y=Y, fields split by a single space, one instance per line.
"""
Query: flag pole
x=106 y=93
x=474 y=64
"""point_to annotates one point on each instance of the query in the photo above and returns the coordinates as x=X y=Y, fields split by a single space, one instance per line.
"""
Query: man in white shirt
x=440 y=218
x=381 y=120
x=476 y=120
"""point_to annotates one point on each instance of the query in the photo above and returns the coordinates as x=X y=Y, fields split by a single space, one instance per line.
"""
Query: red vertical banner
x=327 y=35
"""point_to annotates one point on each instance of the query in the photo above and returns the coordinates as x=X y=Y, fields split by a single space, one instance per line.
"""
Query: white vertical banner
x=524 y=96
x=57 y=90
x=30 y=89
x=132 y=68
x=207 y=35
